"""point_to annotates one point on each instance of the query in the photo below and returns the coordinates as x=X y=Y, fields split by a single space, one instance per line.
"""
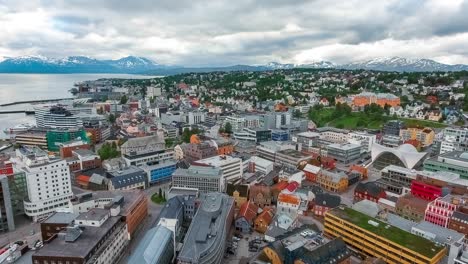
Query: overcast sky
x=226 y=32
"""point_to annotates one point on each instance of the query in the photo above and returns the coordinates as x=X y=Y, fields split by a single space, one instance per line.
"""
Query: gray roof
x=400 y=222
x=97 y=179
x=61 y=218
x=208 y=230
x=95 y=214
x=126 y=177
x=83 y=245
x=152 y=247
x=367 y=207
x=198 y=171
x=442 y=235
x=84 y=152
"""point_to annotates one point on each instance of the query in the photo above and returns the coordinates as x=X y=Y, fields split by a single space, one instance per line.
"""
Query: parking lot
x=242 y=253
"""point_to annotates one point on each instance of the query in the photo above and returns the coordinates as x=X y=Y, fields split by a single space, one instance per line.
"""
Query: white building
x=364 y=139
x=146 y=150
x=55 y=116
x=48 y=181
x=262 y=165
x=231 y=168
x=153 y=91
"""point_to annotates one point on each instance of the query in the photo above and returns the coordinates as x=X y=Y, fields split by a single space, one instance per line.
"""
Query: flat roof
x=294 y=153
x=60 y=218
x=344 y=146
x=396 y=235
x=94 y=214
x=217 y=160
x=82 y=246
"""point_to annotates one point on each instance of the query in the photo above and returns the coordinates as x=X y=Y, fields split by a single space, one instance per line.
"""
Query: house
x=324 y=202
x=324 y=101
x=264 y=219
x=277 y=189
x=244 y=220
x=260 y=195
x=434 y=115
x=239 y=192
x=288 y=204
x=368 y=191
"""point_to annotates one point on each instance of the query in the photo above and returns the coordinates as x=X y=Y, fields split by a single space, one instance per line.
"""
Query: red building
x=369 y=191
x=425 y=191
x=6 y=167
x=311 y=172
x=440 y=210
x=66 y=149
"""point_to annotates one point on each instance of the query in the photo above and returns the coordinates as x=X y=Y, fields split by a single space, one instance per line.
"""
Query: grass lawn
x=351 y=122
x=421 y=123
x=157 y=199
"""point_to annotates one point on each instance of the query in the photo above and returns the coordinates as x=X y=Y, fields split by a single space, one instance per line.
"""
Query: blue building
x=279 y=135
x=160 y=172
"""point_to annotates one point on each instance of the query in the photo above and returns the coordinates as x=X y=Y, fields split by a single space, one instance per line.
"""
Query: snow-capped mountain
x=132 y=64
x=314 y=65
x=76 y=64
x=403 y=64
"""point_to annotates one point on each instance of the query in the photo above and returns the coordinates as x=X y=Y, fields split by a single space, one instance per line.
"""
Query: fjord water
x=24 y=87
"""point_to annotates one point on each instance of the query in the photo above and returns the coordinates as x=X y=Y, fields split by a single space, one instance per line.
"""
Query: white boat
x=18 y=128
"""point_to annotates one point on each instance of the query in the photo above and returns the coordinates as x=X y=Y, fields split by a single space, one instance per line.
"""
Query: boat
x=18 y=128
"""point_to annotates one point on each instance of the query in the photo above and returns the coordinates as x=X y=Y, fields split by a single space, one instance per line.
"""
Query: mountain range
x=141 y=65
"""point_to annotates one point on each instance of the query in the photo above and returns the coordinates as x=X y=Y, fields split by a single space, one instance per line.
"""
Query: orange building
x=134 y=210
x=361 y=169
x=225 y=147
x=264 y=219
x=366 y=98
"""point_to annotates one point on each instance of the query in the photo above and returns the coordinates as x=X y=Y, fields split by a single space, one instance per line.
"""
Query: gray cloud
x=222 y=32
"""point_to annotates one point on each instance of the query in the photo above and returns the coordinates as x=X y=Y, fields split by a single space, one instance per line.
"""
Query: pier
x=35 y=101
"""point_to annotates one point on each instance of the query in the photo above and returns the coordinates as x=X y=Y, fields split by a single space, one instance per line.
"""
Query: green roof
x=399 y=236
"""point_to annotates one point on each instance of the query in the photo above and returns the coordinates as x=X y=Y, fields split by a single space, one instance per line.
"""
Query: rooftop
x=83 y=245
x=392 y=233
x=293 y=153
x=344 y=146
x=95 y=214
x=208 y=227
x=152 y=246
x=61 y=218
x=217 y=161
x=199 y=171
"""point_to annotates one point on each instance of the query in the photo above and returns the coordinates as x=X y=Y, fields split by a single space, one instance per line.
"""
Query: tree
x=228 y=128
x=112 y=118
x=123 y=99
x=297 y=114
x=160 y=193
x=108 y=151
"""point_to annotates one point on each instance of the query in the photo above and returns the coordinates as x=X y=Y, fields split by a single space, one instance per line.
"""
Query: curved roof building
x=405 y=155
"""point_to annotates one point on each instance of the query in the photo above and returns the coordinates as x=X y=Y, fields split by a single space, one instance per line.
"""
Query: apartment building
x=425 y=135
x=455 y=162
x=48 y=181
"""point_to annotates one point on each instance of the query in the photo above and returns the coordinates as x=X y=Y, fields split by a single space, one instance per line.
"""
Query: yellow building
x=239 y=192
x=425 y=135
x=378 y=239
x=332 y=181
